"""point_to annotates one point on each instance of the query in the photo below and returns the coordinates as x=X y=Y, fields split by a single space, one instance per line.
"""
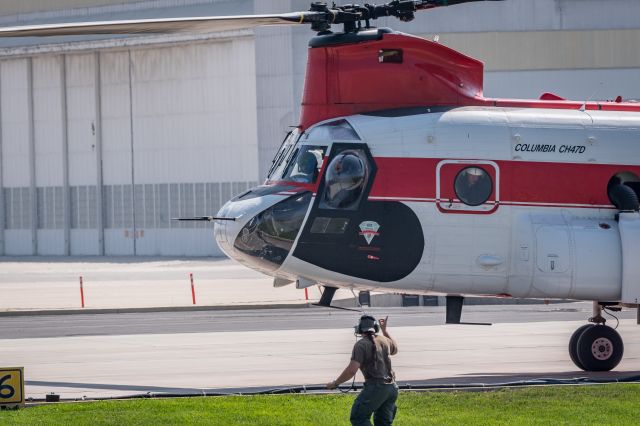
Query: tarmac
x=126 y=285
x=183 y=352
x=78 y=367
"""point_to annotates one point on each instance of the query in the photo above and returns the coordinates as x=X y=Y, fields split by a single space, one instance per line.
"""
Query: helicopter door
x=467 y=186
x=347 y=234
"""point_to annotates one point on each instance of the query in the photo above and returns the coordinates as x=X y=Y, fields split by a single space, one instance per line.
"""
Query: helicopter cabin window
x=468 y=186
x=473 y=186
x=345 y=180
x=339 y=130
x=305 y=164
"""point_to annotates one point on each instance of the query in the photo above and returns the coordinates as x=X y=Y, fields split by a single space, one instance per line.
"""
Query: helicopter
x=402 y=177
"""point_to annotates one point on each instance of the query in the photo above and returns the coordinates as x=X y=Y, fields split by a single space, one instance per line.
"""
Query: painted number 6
x=6 y=391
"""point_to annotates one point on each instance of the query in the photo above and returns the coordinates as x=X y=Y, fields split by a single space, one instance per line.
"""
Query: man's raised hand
x=383 y=324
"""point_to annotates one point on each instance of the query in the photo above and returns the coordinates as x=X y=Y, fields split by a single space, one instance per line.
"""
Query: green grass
x=569 y=405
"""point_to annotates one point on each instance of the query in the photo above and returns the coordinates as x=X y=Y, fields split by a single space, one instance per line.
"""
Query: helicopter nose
x=227 y=231
x=265 y=228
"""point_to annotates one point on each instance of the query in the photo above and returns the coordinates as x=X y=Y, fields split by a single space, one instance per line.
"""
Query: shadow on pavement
x=498 y=379
x=112 y=387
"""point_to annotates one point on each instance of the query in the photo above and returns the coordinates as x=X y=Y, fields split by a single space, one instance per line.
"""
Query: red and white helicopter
x=403 y=177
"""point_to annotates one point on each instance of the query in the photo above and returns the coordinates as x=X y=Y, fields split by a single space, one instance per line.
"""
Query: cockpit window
x=306 y=165
x=345 y=179
x=284 y=155
x=339 y=130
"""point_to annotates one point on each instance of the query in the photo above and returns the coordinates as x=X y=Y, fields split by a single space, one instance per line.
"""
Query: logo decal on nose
x=369 y=230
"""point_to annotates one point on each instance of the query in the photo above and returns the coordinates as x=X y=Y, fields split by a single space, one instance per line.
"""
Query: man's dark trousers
x=377 y=398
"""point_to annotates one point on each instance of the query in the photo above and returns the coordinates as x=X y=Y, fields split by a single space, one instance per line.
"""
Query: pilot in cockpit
x=307 y=168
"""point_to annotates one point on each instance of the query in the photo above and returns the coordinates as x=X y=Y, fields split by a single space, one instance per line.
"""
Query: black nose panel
x=383 y=241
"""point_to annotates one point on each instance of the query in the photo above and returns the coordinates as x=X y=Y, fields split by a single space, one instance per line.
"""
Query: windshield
x=283 y=156
x=295 y=162
x=306 y=164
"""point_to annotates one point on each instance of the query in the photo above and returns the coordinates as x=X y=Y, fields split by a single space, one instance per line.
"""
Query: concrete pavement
x=99 y=366
x=29 y=284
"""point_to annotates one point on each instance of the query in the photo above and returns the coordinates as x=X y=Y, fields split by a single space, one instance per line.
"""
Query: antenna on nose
x=203 y=219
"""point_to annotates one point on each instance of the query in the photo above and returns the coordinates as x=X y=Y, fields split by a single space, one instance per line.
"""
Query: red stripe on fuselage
x=520 y=181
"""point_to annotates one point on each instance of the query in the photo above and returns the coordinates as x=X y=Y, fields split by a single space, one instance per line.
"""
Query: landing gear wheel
x=573 y=345
x=599 y=348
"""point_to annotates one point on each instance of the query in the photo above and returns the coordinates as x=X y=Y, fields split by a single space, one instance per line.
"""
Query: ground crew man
x=371 y=355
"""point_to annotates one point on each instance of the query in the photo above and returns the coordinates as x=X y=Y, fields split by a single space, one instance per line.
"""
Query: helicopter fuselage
x=472 y=200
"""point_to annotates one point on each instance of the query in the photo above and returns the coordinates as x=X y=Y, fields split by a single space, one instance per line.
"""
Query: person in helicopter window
x=473 y=186
x=307 y=168
x=371 y=355
x=345 y=179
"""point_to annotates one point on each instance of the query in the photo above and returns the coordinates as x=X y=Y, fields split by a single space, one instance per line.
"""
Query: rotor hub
x=356 y=17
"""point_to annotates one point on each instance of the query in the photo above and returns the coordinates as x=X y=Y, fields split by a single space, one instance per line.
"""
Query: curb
x=149 y=310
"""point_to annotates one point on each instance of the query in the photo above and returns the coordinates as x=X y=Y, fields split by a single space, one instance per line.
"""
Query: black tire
x=573 y=345
x=600 y=348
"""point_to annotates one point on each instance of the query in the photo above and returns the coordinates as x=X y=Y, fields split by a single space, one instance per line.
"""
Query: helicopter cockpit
x=301 y=157
x=270 y=217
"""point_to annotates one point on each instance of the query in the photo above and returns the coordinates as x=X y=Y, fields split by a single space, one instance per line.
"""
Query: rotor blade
x=161 y=26
x=203 y=219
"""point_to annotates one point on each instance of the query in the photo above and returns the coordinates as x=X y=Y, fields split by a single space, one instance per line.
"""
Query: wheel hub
x=602 y=349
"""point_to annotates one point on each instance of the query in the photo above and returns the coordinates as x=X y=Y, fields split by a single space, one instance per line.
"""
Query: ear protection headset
x=367 y=324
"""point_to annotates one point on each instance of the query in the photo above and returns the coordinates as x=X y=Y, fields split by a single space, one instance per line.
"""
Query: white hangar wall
x=102 y=141
x=17 y=153
x=101 y=149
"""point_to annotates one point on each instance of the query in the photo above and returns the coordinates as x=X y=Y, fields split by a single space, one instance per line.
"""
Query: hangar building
x=104 y=139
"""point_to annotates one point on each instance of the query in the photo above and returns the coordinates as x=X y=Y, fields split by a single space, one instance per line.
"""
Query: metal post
x=99 y=177
x=597 y=309
x=33 y=190
x=454 y=309
x=81 y=292
x=66 y=190
x=193 y=289
x=3 y=219
x=597 y=314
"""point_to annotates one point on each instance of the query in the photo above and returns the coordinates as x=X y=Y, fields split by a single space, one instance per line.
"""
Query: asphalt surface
x=116 y=355
x=308 y=318
x=161 y=343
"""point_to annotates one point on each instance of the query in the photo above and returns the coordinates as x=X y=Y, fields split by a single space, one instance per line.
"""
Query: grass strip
x=614 y=404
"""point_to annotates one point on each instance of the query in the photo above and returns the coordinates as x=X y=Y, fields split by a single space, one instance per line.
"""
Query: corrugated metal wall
x=173 y=130
x=100 y=150
x=16 y=156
